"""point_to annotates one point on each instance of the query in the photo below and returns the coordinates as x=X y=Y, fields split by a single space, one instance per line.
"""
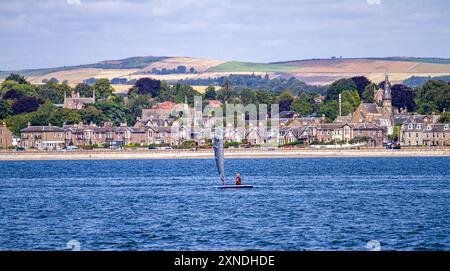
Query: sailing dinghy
x=219 y=156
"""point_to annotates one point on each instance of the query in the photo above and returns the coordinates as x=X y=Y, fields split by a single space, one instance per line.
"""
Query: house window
x=445 y=127
x=419 y=126
x=417 y=134
x=429 y=127
x=410 y=126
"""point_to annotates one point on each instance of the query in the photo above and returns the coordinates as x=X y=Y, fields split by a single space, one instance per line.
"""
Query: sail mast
x=219 y=153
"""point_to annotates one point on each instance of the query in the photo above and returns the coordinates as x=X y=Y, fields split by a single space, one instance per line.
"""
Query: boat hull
x=232 y=186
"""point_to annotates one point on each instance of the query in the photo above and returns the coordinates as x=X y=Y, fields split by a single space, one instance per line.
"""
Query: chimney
x=29 y=124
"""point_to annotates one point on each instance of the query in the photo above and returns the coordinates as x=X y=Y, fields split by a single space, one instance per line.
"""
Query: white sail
x=218 y=152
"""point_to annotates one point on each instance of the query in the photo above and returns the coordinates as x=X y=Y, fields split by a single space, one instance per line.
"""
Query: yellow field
x=77 y=76
x=199 y=64
x=319 y=72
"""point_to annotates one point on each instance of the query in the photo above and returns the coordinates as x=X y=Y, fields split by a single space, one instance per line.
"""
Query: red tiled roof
x=167 y=105
x=215 y=103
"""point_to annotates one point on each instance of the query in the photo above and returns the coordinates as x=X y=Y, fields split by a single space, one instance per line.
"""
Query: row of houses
x=157 y=131
x=425 y=134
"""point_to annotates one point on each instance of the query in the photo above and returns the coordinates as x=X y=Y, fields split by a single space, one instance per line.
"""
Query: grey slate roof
x=36 y=129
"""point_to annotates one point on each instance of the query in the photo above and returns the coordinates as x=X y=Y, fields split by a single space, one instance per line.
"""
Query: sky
x=52 y=33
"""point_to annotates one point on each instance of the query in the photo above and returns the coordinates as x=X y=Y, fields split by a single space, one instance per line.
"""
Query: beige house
x=334 y=132
x=6 y=137
x=372 y=133
x=76 y=102
x=425 y=134
x=42 y=137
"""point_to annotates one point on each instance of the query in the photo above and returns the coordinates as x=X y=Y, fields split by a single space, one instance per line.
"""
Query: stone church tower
x=387 y=109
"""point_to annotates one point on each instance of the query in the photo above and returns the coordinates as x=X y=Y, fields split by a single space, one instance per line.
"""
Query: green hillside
x=414 y=59
x=237 y=66
x=126 y=63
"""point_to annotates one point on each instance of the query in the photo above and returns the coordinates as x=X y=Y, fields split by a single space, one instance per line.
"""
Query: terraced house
x=42 y=137
x=425 y=134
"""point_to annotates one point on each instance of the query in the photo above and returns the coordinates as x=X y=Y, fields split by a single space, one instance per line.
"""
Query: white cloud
x=374 y=2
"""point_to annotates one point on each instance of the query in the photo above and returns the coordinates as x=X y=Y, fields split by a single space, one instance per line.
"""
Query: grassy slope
x=126 y=63
x=236 y=66
x=415 y=59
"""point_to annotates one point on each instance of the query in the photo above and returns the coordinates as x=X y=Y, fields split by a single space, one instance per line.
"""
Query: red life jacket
x=238 y=180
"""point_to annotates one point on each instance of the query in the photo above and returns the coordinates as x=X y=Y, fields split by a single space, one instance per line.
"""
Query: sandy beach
x=238 y=153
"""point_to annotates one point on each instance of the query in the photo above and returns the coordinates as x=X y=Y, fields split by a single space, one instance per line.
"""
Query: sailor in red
x=238 y=178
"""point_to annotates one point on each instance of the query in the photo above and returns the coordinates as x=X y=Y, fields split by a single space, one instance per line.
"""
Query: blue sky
x=49 y=33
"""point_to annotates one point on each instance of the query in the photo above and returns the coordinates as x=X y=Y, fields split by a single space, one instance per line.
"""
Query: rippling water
x=297 y=204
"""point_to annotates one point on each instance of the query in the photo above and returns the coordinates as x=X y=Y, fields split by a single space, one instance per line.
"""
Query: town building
x=372 y=113
x=334 y=132
x=77 y=102
x=425 y=134
x=42 y=137
x=6 y=136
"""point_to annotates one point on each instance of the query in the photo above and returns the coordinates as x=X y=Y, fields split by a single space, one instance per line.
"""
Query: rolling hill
x=312 y=71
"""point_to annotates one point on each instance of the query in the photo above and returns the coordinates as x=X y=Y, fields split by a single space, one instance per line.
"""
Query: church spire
x=387 y=88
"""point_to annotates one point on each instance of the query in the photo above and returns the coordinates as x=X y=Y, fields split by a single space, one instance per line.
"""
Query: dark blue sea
x=297 y=204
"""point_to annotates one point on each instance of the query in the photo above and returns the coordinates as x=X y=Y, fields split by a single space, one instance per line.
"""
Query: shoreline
x=248 y=154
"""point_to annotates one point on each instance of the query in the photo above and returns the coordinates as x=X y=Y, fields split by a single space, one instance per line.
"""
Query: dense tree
x=352 y=98
x=433 y=96
x=361 y=83
x=227 y=92
x=84 y=90
x=350 y=101
x=147 y=86
x=181 y=69
x=338 y=87
x=17 y=122
x=137 y=102
x=210 y=93
x=248 y=96
x=12 y=90
x=368 y=94
x=53 y=92
x=90 y=114
x=102 y=88
x=403 y=97
x=53 y=80
x=64 y=115
x=285 y=100
x=258 y=83
x=6 y=109
x=445 y=118
x=302 y=105
x=17 y=78
x=26 y=104
x=115 y=112
x=182 y=91
x=264 y=97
